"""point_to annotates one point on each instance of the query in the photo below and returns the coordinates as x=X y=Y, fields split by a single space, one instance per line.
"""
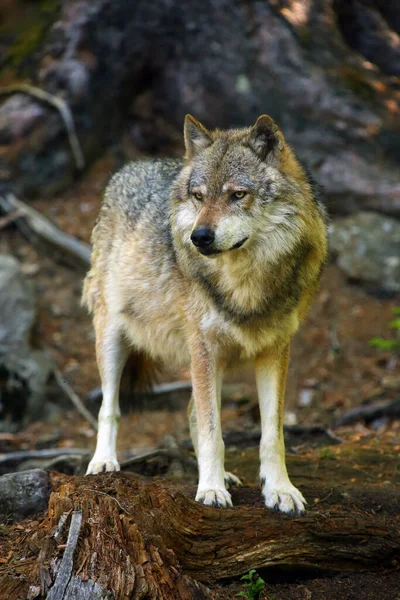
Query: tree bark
x=326 y=70
x=139 y=539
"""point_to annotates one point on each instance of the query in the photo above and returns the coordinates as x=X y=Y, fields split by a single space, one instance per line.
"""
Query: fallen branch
x=21 y=455
x=11 y=218
x=76 y=401
x=295 y=435
x=369 y=413
x=30 y=222
x=60 y=105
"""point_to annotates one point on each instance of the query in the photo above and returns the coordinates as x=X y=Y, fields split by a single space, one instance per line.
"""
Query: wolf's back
x=140 y=187
x=137 y=194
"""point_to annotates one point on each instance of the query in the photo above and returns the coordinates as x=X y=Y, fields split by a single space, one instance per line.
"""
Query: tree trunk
x=133 y=539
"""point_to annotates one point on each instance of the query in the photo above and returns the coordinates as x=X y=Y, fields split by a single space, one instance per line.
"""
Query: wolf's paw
x=219 y=498
x=285 y=498
x=231 y=479
x=105 y=465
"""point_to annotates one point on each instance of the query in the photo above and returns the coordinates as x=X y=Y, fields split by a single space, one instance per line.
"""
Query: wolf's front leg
x=278 y=491
x=206 y=382
x=111 y=353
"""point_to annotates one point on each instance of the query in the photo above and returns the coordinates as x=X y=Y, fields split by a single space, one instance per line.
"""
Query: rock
x=23 y=371
x=136 y=70
x=23 y=494
x=367 y=246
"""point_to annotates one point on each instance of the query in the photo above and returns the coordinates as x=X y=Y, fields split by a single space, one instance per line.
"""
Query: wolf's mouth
x=238 y=244
x=211 y=252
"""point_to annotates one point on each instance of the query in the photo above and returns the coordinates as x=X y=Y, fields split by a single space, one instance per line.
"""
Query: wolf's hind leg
x=278 y=491
x=112 y=353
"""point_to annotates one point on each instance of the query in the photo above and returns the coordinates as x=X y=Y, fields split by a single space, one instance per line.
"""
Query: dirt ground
x=333 y=368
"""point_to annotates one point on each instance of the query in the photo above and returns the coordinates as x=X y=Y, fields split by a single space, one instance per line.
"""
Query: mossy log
x=137 y=539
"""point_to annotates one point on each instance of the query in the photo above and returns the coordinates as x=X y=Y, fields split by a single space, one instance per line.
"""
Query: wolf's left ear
x=197 y=137
x=265 y=137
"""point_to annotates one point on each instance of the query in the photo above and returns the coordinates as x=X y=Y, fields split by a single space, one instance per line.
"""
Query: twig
x=108 y=496
x=5 y=221
x=334 y=342
x=61 y=106
x=76 y=401
x=324 y=499
x=64 y=574
x=21 y=455
x=39 y=225
x=138 y=458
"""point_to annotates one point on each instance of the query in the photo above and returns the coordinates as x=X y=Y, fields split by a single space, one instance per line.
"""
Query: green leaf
x=384 y=344
x=259 y=585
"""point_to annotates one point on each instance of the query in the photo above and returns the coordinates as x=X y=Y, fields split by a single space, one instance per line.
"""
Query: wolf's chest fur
x=234 y=306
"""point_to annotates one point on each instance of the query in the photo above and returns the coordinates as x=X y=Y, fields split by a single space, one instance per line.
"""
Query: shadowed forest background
x=86 y=86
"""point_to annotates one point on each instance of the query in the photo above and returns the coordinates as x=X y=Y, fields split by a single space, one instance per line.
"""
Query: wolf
x=207 y=262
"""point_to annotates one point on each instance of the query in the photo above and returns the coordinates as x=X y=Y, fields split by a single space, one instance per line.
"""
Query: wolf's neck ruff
x=279 y=285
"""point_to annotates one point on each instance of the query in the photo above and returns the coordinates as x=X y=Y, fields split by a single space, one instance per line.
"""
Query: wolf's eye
x=238 y=195
x=198 y=196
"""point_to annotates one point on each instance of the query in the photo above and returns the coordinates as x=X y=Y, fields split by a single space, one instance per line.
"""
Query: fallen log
x=369 y=413
x=139 y=539
x=36 y=227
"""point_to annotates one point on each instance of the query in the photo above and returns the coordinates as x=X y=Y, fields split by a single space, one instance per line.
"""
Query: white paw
x=219 y=498
x=284 y=497
x=104 y=465
x=231 y=479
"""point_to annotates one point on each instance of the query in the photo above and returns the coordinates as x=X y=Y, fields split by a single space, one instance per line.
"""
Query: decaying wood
x=31 y=223
x=140 y=539
x=64 y=574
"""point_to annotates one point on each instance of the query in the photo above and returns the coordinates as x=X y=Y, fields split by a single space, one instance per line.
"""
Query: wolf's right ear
x=265 y=137
x=197 y=137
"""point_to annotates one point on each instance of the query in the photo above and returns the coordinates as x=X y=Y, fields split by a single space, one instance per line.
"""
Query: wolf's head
x=237 y=187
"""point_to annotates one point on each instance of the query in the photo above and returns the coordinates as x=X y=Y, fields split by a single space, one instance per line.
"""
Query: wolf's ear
x=197 y=137
x=265 y=137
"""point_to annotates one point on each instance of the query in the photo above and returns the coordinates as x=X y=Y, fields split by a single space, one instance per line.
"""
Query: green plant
x=326 y=453
x=385 y=344
x=254 y=586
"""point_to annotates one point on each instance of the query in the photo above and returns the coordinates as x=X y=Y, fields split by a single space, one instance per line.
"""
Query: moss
x=5 y=530
x=327 y=453
x=28 y=30
x=305 y=36
x=358 y=83
x=25 y=45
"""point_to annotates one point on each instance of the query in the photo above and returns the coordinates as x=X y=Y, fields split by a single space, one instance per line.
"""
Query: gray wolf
x=207 y=261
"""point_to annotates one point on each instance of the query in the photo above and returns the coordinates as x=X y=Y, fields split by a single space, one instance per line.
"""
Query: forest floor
x=333 y=368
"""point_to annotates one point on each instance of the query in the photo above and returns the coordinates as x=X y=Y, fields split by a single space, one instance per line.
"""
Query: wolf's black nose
x=203 y=237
